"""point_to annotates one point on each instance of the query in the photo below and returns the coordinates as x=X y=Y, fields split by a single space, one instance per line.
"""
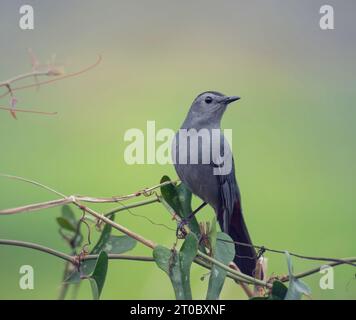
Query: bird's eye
x=208 y=100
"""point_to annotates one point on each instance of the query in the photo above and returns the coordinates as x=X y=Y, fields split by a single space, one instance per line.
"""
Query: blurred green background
x=293 y=131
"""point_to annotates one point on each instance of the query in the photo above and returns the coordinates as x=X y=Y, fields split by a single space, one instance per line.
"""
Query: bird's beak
x=231 y=99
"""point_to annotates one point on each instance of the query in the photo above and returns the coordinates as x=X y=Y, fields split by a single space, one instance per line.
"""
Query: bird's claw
x=181 y=231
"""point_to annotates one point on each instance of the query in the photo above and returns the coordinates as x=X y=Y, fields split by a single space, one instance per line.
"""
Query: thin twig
x=38 y=247
x=38 y=184
x=49 y=72
x=64 y=201
x=242 y=276
x=144 y=192
x=72 y=199
x=113 y=256
x=23 y=76
x=131 y=206
x=29 y=111
x=317 y=269
x=97 y=215
x=336 y=260
x=127 y=208
x=66 y=257
x=8 y=82
x=37 y=206
x=243 y=285
x=101 y=217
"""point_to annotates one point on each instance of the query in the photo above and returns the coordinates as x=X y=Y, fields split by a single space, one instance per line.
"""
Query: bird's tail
x=245 y=254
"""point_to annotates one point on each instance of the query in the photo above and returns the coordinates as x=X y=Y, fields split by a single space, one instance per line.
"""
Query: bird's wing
x=229 y=190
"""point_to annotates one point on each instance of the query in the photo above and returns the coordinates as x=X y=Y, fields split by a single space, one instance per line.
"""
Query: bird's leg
x=191 y=216
x=180 y=229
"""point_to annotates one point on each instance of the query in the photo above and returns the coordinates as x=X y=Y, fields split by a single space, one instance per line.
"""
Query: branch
x=317 y=269
x=74 y=259
x=131 y=206
x=241 y=276
x=37 y=206
x=148 y=243
x=38 y=247
x=75 y=199
x=263 y=249
x=103 y=218
x=69 y=200
x=201 y=258
x=71 y=259
x=50 y=72
x=72 y=199
x=32 y=182
x=23 y=76
x=243 y=285
x=28 y=111
x=148 y=191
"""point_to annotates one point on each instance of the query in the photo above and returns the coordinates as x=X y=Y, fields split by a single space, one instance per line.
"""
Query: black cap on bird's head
x=209 y=107
x=214 y=98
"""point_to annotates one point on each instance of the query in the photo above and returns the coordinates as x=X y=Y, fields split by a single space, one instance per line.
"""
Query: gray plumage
x=219 y=190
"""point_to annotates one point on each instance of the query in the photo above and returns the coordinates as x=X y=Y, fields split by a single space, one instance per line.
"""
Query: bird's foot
x=181 y=231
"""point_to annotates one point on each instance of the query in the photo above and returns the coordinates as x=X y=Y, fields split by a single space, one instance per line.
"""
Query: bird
x=202 y=164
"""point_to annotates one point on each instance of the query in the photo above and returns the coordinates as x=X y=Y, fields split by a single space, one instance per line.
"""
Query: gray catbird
x=199 y=165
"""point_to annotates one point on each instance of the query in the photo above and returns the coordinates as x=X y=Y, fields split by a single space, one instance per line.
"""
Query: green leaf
x=177 y=265
x=179 y=198
x=187 y=255
x=279 y=291
x=225 y=253
x=66 y=224
x=185 y=199
x=76 y=242
x=68 y=214
x=104 y=238
x=119 y=244
x=167 y=260
x=97 y=278
x=296 y=287
x=169 y=193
